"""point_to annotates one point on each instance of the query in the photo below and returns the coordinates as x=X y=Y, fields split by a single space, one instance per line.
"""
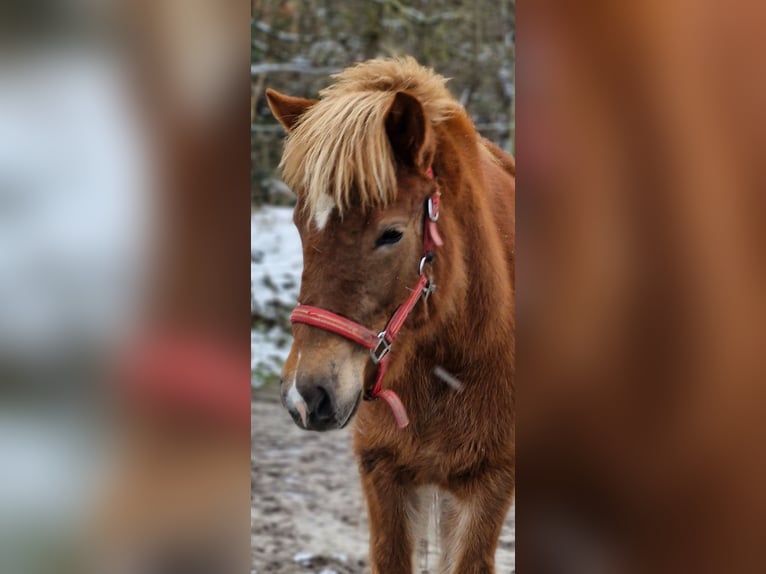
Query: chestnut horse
x=407 y=221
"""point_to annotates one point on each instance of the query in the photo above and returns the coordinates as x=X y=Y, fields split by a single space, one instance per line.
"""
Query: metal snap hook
x=428 y=289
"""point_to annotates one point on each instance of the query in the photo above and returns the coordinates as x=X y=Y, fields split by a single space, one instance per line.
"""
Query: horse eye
x=389 y=237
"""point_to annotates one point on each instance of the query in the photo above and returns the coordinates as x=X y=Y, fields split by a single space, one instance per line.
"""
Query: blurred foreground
x=641 y=287
x=124 y=193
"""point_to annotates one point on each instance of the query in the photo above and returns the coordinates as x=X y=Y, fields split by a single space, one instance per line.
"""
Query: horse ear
x=287 y=109
x=406 y=128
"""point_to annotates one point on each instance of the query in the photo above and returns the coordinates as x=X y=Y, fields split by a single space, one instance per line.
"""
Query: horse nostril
x=315 y=398
x=323 y=410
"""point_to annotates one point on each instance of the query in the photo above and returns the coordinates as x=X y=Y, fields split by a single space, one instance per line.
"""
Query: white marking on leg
x=324 y=208
x=456 y=519
x=419 y=509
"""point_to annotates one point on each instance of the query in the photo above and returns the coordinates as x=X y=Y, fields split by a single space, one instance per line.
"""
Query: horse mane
x=340 y=143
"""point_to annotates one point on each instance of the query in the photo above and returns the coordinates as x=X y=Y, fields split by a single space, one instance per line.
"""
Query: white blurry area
x=84 y=169
x=74 y=231
x=74 y=217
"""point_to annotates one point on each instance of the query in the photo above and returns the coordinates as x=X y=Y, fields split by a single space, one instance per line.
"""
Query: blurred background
x=308 y=511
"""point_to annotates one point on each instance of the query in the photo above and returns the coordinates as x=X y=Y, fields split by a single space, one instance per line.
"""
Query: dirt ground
x=308 y=514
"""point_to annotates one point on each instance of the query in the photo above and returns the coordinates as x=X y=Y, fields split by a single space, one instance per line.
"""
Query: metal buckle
x=383 y=348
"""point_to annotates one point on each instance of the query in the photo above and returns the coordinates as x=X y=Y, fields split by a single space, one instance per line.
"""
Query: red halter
x=380 y=344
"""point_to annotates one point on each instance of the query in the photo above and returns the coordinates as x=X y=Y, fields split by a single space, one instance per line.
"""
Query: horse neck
x=476 y=275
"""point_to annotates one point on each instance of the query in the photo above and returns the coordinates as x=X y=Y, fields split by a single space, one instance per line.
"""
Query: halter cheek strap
x=379 y=344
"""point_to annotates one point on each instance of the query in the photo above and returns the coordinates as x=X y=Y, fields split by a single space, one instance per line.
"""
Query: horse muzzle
x=315 y=405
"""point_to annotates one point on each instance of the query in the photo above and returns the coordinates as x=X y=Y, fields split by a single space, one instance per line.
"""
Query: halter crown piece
x=379 y=344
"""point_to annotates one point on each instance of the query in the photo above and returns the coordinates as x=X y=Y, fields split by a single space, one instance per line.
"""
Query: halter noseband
x=379 y=344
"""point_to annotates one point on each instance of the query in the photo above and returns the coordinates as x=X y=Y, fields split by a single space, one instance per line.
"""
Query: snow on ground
x=276 y=261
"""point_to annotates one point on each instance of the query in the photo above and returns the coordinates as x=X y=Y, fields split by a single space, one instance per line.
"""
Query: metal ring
x=423 y=261
x=427 y=258
x=433 y=217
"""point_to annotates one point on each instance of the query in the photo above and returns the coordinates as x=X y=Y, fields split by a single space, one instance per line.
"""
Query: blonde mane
x=340 y=144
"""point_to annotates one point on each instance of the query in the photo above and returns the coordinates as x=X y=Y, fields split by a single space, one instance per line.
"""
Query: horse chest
x=434 y=457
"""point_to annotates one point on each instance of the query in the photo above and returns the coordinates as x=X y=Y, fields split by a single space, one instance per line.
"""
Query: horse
x=406 y=217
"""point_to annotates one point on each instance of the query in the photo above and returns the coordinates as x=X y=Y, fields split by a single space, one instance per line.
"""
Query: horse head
x=359 y=163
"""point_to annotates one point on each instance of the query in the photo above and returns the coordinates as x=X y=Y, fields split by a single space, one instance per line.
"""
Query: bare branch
x=420 y=17
x=497 y=127
x=278 y=34
x=288 y=67
x=267 y=128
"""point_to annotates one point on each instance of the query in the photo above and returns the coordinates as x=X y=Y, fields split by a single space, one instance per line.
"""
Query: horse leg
x=471 y=518
x=395 y=507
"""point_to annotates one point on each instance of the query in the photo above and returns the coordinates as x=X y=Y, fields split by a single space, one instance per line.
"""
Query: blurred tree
x=298 y=44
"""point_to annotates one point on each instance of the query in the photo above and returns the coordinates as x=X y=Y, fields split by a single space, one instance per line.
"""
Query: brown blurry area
x=642 y=286
x=188 y=65
x=177 y=497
